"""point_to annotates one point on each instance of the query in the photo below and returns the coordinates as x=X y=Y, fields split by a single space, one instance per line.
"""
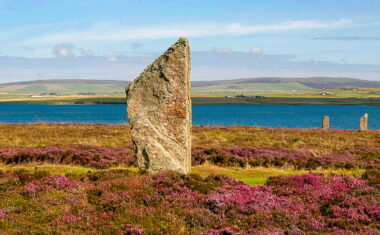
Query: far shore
x=198 y=100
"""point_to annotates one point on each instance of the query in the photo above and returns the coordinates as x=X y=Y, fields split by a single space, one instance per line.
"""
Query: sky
x=230 y=39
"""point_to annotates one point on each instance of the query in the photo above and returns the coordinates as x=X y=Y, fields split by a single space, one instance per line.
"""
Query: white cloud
x=111 y=58
x=120 y=33
x=85 y=52
x=208 y=65
x=63 y=50
x=239 y=29
x=256 y=51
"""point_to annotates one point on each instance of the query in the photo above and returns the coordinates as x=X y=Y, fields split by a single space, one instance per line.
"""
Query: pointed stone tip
x=184 y=40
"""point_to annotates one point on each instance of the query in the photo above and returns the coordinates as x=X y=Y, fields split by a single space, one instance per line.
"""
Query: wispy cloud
x=112 y=58
x=120 y=33
x=348 y=38
x=206 y=65
x=63 y=50
x=240 y=29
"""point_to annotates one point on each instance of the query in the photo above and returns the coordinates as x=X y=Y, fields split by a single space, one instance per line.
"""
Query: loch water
x=287 y=116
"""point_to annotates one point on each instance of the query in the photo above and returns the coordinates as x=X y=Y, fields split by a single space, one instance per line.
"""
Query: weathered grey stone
x=364 y=122
x=159 y=112
x=325 y=122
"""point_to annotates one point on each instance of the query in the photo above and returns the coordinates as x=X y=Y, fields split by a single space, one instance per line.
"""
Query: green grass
x=260 y=175
x=252 y=176
x=274 y=93
x=250 y=88
x=34 y=88
x=12 y=96
x=337 y=93
x=96 y=88
x=63 y=88
x=68 y=100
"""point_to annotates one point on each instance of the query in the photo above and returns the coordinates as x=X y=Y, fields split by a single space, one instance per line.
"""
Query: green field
x=274 y=91
x=250 y=88
x=70 y=89
x=63 y=89
x=279 y=86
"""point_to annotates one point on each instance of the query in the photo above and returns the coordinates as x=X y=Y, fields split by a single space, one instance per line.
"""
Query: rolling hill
x=65 y=87
x=246 y=85
x=310 y=82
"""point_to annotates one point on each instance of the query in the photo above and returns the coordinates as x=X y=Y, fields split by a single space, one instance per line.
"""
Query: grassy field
x=292 y=86
x=249 y=88
x=336 y=93
x=64 y=100
x=339 y=96
x=252 y=176
x=82 y=179
x=61 y=88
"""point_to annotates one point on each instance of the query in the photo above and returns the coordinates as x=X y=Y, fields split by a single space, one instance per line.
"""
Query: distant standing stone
x=159 y=112
x=325 y=122
x=364 y=122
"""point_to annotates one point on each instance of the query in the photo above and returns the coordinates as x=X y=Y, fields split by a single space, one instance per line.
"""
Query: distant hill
x=69 y=81
x=265 y=84
x=311 y=82
x=65 y=86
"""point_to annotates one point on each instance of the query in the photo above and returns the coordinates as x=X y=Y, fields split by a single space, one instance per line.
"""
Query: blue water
x=289 y=116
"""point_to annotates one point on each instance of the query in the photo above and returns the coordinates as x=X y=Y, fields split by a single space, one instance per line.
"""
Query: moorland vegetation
x=77 y=178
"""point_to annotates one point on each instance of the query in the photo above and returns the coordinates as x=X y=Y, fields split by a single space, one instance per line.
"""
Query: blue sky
x=42 y=39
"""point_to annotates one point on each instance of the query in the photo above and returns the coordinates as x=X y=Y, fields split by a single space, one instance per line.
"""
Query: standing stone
x=326 y=122
x=159 y=112
x=364 y=122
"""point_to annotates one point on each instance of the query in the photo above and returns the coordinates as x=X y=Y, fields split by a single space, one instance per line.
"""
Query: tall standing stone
x=364 y=122
x=159 y=112
x=325 y=122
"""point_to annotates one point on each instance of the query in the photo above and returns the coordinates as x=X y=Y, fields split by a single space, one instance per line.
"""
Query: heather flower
x=272 y=157
x=31 y=188
x=315 y=224
x=59 y=182
x=124 y=202
x=7 y=210
x=97 y=157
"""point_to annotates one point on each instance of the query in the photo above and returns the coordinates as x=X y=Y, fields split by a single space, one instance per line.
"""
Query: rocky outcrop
x=159 y=112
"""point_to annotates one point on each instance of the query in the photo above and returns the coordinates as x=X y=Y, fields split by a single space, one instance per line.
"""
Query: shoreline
x=208 y=101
